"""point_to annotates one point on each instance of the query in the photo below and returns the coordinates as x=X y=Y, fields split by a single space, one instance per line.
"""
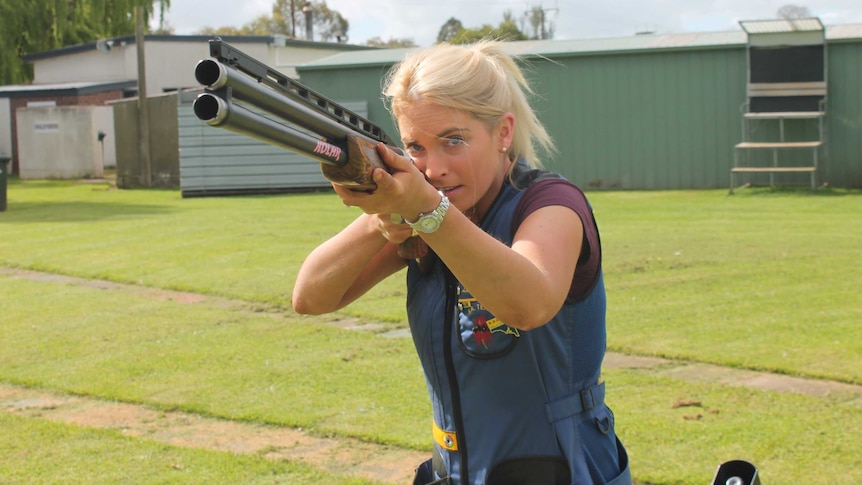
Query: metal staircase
x=786 y=106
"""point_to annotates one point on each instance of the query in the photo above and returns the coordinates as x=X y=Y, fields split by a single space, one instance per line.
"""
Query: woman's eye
x=454 y=141
x=413 y=148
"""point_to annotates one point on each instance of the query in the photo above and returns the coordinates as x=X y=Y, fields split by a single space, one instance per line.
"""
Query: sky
x=572 y=19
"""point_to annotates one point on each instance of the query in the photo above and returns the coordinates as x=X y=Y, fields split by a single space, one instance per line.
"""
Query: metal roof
x=277 y=40
x=844 y=32
x=780 y=26
x=611 y=45
x=63 y=89
x=550 y=48
x=627 y=44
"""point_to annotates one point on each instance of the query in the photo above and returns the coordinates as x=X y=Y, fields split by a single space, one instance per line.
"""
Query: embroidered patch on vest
x=481 y=332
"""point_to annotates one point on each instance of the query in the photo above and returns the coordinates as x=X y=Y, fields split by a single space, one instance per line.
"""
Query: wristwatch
x=430 y=222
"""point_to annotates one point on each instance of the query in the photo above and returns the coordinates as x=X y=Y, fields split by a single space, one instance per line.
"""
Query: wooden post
x=143 y=108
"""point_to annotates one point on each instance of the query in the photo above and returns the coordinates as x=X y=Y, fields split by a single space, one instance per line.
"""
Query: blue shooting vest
x=506 y=400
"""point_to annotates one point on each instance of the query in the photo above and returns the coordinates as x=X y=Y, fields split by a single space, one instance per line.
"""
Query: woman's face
x=459 y=154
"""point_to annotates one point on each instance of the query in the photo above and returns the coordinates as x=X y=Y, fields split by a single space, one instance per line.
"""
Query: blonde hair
x=478 y=78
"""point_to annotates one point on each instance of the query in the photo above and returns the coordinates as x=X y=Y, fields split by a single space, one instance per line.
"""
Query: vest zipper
x=449 y=323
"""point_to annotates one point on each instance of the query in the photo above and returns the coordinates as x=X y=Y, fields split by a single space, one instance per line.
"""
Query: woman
x=507 y=309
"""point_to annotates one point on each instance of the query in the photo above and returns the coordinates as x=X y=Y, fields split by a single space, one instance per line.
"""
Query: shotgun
x=342 y=141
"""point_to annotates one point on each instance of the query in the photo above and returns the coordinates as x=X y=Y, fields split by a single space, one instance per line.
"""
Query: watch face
x=429 y=224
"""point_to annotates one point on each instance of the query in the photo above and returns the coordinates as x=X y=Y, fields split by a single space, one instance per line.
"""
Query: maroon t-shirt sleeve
x=561 y=192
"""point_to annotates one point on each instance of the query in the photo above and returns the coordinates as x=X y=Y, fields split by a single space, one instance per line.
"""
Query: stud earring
x=503 y=150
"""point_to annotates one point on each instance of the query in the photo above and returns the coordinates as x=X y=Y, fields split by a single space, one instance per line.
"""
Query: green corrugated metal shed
x=640 y=112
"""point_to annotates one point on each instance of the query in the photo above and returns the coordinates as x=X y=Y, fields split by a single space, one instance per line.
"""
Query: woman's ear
x=505 y=131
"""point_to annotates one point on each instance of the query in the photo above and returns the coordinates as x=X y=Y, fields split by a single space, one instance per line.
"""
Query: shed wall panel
x=843 y=164
x=649 y=119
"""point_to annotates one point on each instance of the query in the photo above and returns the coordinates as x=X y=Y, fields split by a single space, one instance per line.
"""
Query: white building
x=97 y=73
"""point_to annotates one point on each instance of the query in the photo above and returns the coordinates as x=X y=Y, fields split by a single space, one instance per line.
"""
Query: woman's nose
x=434 y=165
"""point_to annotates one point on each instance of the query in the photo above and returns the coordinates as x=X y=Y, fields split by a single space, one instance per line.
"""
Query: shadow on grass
x=77 y=211
x=795 y=191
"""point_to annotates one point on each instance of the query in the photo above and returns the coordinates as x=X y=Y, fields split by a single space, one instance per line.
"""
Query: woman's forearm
x=523 y=285
x=343 y=268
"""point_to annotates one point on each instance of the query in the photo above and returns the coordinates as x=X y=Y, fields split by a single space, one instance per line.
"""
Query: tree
x=227 y=30
x=391 y=43
x=30 y=26
x=537 y=18
x=289 y=18
x=449 y=29
x=506 y=31
x=789 y=12
x=329 y=24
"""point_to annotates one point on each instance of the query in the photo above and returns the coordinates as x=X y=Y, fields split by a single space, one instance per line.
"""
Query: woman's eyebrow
x=443 y=134
x=450 y=131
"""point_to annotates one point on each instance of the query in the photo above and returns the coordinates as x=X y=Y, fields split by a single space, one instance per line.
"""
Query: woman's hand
x=393 y=228
x=350 y=263
x=402 y=192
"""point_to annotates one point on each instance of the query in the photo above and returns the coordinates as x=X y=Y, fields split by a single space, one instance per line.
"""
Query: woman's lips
x=449 y=191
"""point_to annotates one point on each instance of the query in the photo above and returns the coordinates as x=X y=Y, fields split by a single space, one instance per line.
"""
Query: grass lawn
x=762 y=279
x=49 y=453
